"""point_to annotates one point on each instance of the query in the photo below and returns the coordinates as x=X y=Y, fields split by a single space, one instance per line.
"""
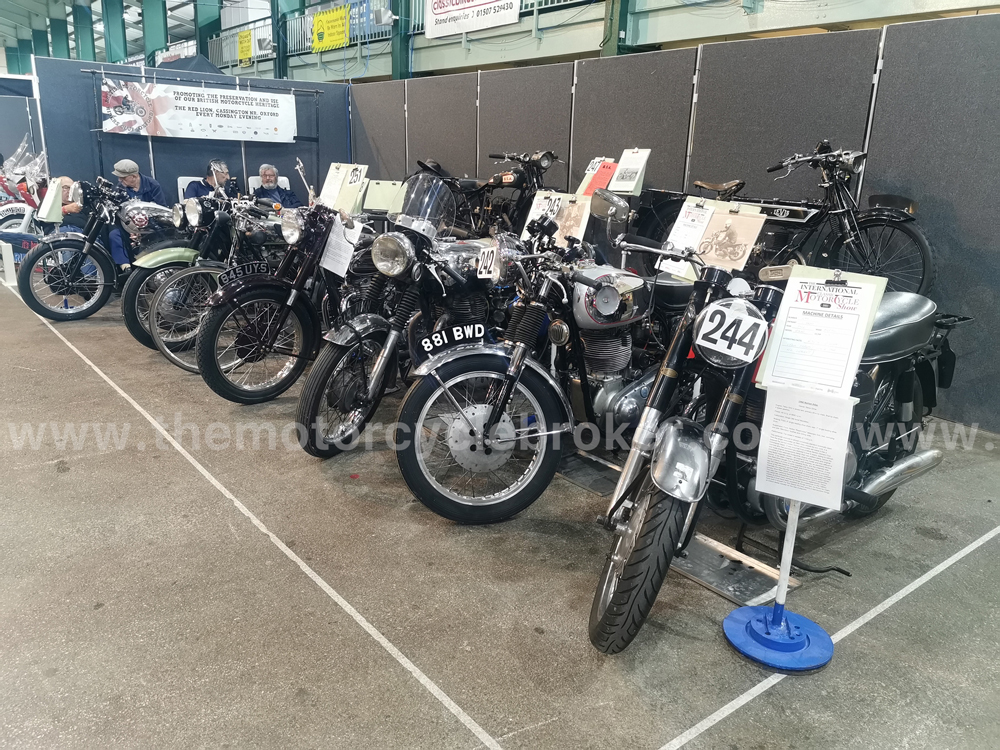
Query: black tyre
x=901 y=252
x=635 y=569
x=59 y=283
x=232 y=357
x=137 y=293
x=333 y=408
x=458 y=477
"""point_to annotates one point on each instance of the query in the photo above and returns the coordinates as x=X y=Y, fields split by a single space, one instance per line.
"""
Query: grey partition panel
x=934 y=139
x=14 y=125
x=764 y=99
x=378 y=128
x=441 y=122
x=635 y=100
x=526 y=109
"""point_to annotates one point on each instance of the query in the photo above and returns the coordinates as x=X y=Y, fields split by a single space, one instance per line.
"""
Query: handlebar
x=632 y=239
x=580 y=278
x=776 y=167
x=453 y=273
x=497 y=156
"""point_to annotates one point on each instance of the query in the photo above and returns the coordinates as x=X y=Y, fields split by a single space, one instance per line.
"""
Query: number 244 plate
x=247 y=269
x=450 y=336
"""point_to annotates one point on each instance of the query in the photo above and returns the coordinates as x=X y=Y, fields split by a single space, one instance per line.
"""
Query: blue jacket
x=149 y=190
x=286 y=198
x=198 y=189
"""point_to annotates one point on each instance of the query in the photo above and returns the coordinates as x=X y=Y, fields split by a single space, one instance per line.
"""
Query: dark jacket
x=286 y=198
x=149 y=190
x=201 y=188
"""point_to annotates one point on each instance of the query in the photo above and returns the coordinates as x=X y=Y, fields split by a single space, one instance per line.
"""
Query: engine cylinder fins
x=606 y=351
x=471 y=309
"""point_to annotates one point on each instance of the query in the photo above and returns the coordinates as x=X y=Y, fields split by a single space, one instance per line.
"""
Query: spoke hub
x=470 y=452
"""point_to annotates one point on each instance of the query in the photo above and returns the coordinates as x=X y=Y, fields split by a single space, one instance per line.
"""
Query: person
x=139 y=186
x=270 y=190
x=217 y=173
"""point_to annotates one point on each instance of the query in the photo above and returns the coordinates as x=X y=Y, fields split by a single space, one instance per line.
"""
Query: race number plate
x=487 y=261
x=247 y=269
x=450 y=336
x=730 y=332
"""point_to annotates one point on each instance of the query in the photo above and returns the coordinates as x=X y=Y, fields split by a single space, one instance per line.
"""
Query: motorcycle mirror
x=607 y=205
x=775 y=273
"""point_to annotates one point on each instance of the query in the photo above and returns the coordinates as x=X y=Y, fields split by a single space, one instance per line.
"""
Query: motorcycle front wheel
x=233 y=355
x=59 y=282
x=176 y=312
x=447 y=466
x=636 y=567
x=138 y=292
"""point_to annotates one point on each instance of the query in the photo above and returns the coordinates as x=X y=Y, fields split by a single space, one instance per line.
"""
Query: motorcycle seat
x=904 y=322
x=670 y=290
x=471 y=186
x=733 y=186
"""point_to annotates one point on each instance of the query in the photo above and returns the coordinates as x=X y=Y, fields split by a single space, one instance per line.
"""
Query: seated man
x=269 y=189
x=217 y=173
x=139 y=186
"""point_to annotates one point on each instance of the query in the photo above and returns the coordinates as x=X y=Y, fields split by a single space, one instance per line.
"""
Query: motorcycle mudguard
x=159 y=258
x=54 y=237
x=229 y=292
x=682 y=463
x=885 y=212
x=470 y=350
x=359 y=327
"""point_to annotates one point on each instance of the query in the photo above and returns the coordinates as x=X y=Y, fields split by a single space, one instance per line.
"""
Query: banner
x=245 y=46
x=331 y=29
x=188 y=112
x=444 y=17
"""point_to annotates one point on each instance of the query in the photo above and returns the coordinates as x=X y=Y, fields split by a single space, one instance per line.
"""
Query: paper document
x=570 y=212
x=631 y=171
x=803 y=445
x=690 y=226
x=340 y=247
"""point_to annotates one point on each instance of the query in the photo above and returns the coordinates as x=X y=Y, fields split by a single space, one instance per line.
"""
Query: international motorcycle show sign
x=444 y=17
x=188 y=112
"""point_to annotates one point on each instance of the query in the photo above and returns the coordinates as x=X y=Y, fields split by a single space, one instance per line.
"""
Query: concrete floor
x=140 y=607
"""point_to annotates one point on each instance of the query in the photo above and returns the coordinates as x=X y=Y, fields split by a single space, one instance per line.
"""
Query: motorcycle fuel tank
x=623 y=298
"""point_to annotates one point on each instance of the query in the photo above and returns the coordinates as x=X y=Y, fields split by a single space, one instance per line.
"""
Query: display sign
x=340 y=247
x=444 y=17
x=331 y=29
x=245 y=47
x=590 y=171
x=570 y=212
x=631 y=171
x=343 y=186
x=187 y=112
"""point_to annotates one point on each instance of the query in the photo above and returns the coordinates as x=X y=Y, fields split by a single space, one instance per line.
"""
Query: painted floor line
x=396 y=654
x=765 y=685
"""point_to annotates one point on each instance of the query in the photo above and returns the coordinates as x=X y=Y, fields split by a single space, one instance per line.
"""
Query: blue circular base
x=797 y=645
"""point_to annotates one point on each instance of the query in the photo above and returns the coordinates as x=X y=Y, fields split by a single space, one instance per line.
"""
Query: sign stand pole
x=773 y=636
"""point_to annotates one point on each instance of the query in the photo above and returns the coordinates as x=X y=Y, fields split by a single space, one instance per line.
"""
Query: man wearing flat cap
x=136 y=185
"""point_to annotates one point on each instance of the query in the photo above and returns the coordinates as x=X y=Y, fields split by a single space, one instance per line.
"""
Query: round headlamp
x=177 y=216
x=392 y=253
x=291 y=226
x=730 y=333
x=76 y=193
x=192 y=210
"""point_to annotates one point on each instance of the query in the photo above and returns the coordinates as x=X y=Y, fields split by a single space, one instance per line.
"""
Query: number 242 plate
x=435 y=342
x=247 y=269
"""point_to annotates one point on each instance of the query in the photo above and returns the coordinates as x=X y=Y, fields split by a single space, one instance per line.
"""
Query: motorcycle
x=479 y=431
x=682 y=454
x=418 y=266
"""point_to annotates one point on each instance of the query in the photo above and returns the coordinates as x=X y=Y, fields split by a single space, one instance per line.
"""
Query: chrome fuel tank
x=623 y=298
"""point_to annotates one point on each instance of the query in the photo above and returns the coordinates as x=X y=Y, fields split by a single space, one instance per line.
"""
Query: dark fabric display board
x=441 y=122
x=635 y=101
x=378 y=128
x=764 y=99
x=934 y=140
x=15 y=87
x=15 y=123
x=526 y=110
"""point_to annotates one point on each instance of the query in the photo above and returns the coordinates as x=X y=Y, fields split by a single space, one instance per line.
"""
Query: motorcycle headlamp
x=393 y=253
x=852 y=161
x=508 y=249
x=192 y=210
x=292 y=225
x=178 y=216
x=76 y=193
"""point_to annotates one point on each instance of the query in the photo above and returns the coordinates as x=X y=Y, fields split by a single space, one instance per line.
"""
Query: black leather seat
x=733 y=186
x=471 y=186
x=904 y=322
x=670 y=290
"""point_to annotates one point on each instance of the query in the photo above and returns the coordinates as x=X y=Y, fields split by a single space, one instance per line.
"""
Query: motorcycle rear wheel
x=903 y=255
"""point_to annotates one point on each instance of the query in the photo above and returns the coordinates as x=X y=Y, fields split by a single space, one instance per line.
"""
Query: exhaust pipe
x=902 y=471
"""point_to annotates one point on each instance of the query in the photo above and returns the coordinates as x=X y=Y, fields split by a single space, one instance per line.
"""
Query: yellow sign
x=331 y=29
x=245 y=40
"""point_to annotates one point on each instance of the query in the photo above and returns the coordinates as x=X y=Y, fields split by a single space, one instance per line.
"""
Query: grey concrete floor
x=140 y=607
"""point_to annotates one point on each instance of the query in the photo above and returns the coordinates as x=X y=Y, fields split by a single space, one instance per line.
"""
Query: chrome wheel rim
x=239 y=348
x=49 y=285
x=340 y=416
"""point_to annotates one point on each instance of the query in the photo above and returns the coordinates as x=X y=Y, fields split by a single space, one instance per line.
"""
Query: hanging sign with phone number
x=445 y=17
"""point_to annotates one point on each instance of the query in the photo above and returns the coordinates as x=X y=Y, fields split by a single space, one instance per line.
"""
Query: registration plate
x=247 y=269
x=435 y=342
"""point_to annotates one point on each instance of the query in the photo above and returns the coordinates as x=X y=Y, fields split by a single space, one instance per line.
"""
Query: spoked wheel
x=233 y=352
x=444 y=459
x=900 y=251
x=334 y=406
x=138 y=293
x=61 y=283
x=176 y=312
x=636 y=567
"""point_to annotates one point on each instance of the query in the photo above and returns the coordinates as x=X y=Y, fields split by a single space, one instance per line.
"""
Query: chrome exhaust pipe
x=903 y=471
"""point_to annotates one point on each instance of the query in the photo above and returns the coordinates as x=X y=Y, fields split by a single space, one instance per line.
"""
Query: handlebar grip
x=453 y=273
x=497 y=156
x=580 y=278
x=633 y=239
x=776 y=167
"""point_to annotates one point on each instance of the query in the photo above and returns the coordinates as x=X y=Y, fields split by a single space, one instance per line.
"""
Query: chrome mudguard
x=55 y=236
x=360 y=326
x=682 y=464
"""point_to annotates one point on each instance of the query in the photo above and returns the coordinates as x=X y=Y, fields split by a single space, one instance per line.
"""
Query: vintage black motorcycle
x=682 y=444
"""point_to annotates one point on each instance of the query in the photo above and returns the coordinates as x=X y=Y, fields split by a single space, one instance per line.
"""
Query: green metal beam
x=207 y=21
x=40 y=40
x=13 y=60
x=281 y=11
x=154 y=28
x=615 y=28
x=24 y=51
x=401 y=39
x=83 y=32
x=115 y=41
x=59 y=30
